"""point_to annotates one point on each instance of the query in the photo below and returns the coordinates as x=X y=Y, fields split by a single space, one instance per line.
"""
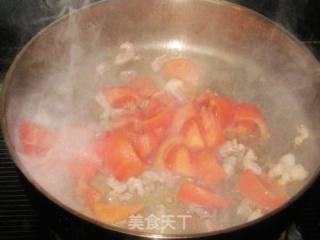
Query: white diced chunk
x=128 y=54
x=298 y=173
x=276 y=171
x=288 y=160
x=303 y=134
x=255 y=215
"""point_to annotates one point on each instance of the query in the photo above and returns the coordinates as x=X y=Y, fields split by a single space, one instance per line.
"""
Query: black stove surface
x=21 y=207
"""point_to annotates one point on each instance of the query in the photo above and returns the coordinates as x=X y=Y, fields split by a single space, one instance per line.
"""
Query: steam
x=62 y=94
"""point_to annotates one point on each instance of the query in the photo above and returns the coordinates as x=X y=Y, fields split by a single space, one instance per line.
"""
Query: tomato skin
x=208 y=169
x=145 y=87
x=35 y=140
x=118 y=155
x=191 y=193
x=181 y=69
x=248 y=112
x=262 y=190
x=122 y=97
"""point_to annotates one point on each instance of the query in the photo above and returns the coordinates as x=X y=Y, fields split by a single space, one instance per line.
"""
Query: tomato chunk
x=208 y=169
x=222 y=107
x=35 y=140
x=211 y=129
x=182 y=69
x=118 y=154
x=251 y=113
x=106 y=212
x=146 y=144
x=113 y=213
x=181 y=116
x=122 y=97
x=145 y=87
x=158 y=113
x=243 y=129
x=191 y=193
x=262 y=190
x=162 y=153
x=179 y=160
x=192 y=135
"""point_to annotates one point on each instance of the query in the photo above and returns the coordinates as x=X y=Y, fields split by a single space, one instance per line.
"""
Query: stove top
x=21 y=216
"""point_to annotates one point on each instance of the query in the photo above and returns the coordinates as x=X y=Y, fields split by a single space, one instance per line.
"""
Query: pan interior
x=54 y=81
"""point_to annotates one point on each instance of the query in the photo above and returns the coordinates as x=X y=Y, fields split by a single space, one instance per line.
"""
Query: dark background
x=24 y=214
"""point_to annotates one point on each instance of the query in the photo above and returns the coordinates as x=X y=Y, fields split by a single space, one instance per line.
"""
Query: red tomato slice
x=128 y=119
x=146 y=144
x=104 y=211
x=243 y=129
x=84 y=167
x=182 y=69
x=181 y=116
x=163 y=150
x=192 y=135
x=251 y=113
x=118 y=155
x=191 y=193
x=208 y=169
x=179 y=160
x=262 y=190
x=122 y=97
x=113 y=213
x=158 y=113
x=35 y=140
x=211 y=129
x=222 y=107
x=145 y=87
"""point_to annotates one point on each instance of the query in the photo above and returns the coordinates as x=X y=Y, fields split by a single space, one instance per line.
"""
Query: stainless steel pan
x=244 y=55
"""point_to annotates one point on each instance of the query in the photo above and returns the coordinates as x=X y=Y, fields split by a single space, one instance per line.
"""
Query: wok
x=243 y=54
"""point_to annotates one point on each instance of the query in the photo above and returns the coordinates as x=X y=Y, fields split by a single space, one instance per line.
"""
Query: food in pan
x=169 y=150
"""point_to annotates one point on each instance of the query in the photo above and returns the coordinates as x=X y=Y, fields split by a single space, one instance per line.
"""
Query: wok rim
x=91 y=220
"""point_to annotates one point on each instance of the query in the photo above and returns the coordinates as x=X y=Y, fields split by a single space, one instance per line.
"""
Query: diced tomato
x=113 y=213
x=181 y=116
x=106 y=212
x=146 y=144
x=160 y=102
x=192 y=135
x=159 y=112
x=208 y=169
x=211 y=129
x=84 y=169
x=162 y=153
x=182 y=69
x=262 y=190
x=191 y=193
x=243 y=129
x=179 y=160
x=35 y=140
x=118 y=155
x=128 y=119
x=122 y=97
x=160 y=121
x=222 y=107
x=145 y=87
x=251 y=113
